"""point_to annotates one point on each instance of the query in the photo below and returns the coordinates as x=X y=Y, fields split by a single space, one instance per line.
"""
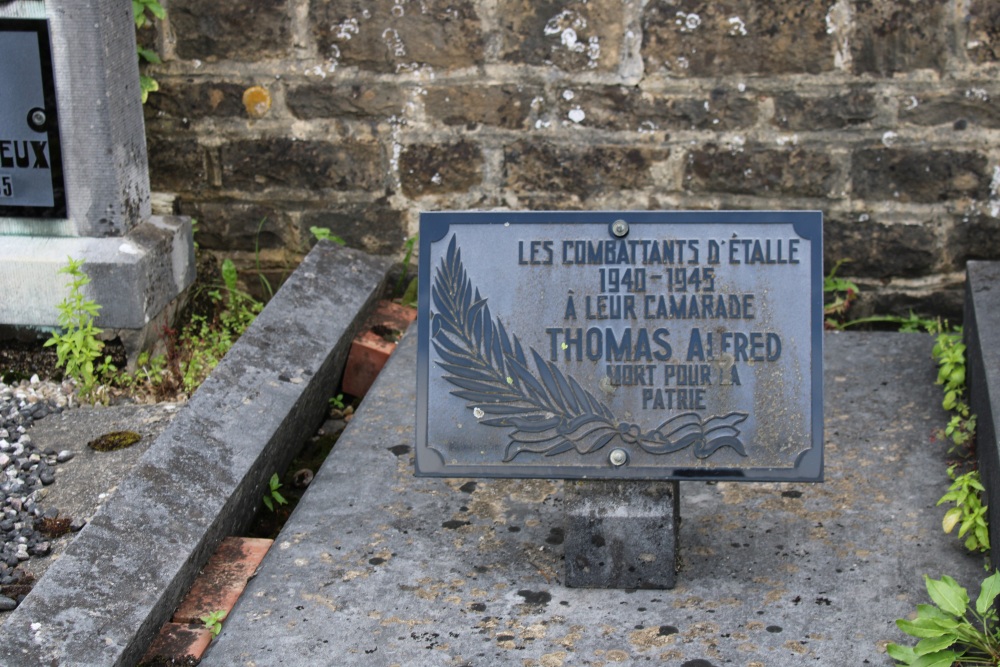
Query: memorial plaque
x=633 y=345
x=31 y=176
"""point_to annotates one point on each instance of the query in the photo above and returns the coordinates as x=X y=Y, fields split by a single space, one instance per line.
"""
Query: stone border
x=104 y=600
x=982 y=335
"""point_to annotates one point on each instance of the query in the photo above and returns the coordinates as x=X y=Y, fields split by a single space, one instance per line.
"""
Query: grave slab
x=377 y=566
x=121 y=578
x=982 y=335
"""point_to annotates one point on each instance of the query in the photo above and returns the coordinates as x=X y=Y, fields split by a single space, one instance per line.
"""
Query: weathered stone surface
x=575 y=36
x=322 y=100
x=960 y=109
x=898 y=35
x=435 y=169
x=973 y=237
x=983 y=40
x=507 y=106
x=632 y=109
x=621 y=534
x=176 y=164
x=284 y=162
x=178 y=99
x=912 y=175
x=711 y=38
x=760 y=170
x=584 y=172
x=864 y=241
x=392 y=36
x=810 y=114
x=241 y=225
x=945 y=302
x=236 y=29
x=376 y=227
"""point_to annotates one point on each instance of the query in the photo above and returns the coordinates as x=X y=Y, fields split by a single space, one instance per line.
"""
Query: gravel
x=25 y=472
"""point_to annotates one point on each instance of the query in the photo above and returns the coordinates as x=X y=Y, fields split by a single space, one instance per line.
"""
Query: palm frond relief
x=549 y=412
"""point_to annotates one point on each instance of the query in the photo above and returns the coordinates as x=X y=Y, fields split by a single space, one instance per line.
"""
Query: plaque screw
x=618 y=457
x=619 y=228
x=38 y=117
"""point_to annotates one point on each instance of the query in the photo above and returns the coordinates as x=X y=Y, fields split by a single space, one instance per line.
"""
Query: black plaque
x=634 y=345
x=31 y=174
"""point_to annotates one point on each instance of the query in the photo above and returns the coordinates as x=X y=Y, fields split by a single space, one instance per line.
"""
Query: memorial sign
x=630 y=345
x=31 y=177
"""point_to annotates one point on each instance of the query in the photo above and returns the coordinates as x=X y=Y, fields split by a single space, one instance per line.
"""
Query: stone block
x=879 y=249
x=621 y=533
x=257 y=165
x=507 y=106
x=532 y=166
x=184 y=101
x=631 y=109
x=176 y=164
x=363 y=100
x=960 y=109
x=389 y=36
x=921 y=176
x=575 y=36
x=760 y=170
x=237 y=29
x=796 y=112
x=229 y=224
x=983 y=38
x=891 y=36
x=375 y=226
x=703 y=38
x=427 y=169
x=973 y=237
x=982 y=330
x=133 y=278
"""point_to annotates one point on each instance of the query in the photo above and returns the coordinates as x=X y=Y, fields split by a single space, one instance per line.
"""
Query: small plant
x=324 y=234
x=337 y=402
x=213 y=621
x=951 y=631
x=144 y=11
x=842 y=293
x=409 y=295
x=77 y=346
x=273 y=495
x=969 y=513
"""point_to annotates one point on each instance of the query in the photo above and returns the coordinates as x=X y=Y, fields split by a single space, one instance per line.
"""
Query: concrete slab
x=982 y=338
x=377 y=567
x=104 y=600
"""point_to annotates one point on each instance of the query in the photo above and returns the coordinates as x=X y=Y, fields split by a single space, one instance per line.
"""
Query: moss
x=115 y=440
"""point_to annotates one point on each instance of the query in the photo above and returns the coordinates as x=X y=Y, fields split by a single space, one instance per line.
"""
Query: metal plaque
x=31 y=175
x=641 y=345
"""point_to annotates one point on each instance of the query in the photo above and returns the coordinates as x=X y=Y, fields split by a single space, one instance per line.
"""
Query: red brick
x=179 y=640
x=223 y=579
x=370 y=351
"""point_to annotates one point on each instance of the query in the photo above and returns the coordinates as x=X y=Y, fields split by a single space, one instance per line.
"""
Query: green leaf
x=947 y=594
x=934 y=644
x=922 y=628
x=939 y=659
x=929 y=611
x=988 y=593
x=904 y=654
x=280 y=499
x=268 y=503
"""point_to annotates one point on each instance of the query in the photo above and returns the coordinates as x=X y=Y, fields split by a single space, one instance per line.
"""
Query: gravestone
x=624 y=351
x=73 y=172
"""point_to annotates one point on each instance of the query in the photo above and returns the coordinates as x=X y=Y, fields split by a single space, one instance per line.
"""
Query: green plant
x=324 y=234
x=213 y=621
x=77 y=345
x=144 y=11
x=272 y=495
x=409 y=295
x=969 y=512
x=337 y=402
x=949 y=353
x=840 y=293
x=951 y=631
x=911 y=324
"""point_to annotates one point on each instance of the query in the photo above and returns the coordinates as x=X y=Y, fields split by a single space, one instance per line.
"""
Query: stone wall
x=880 y=113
